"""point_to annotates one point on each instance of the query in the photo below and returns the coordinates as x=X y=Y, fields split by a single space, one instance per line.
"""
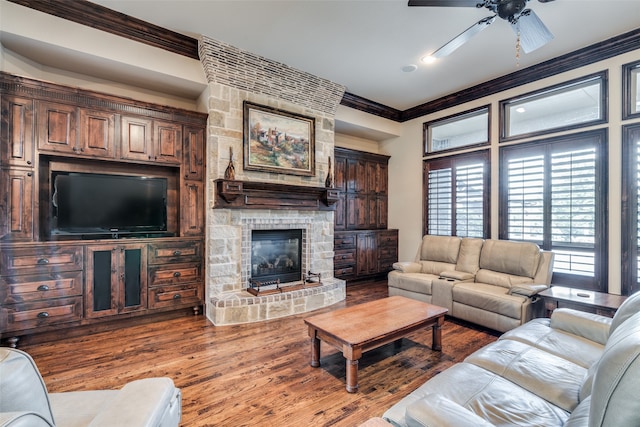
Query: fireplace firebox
x=276 y=256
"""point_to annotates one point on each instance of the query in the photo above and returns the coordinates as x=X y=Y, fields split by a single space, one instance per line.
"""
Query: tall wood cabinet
x=50 y=284
x=363 y=246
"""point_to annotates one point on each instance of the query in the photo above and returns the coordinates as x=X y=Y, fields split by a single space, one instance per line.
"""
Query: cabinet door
x=57 y=128
x=356 y=212
x=97 y=133
x=116 y=279
x=366 y=254
x=136 y=138
x=356 y=175
x=193 y=152
x=382 y=209
x=339 y=216
x=340 y=174
x=16 y=132
x=16 y=207
x=167 y=142
x=192 y=209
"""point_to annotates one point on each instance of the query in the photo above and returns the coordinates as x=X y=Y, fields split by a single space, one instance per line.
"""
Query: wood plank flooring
x=257 y=374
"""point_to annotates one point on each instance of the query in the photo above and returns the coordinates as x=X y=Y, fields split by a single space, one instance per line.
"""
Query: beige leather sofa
x=573 y=370
x=25 y=402
x=493 y=283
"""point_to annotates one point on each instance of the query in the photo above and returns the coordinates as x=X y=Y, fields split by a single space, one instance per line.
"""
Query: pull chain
x=518 y=50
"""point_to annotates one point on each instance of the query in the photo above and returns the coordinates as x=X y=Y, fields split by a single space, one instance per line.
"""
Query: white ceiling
x=363 y=44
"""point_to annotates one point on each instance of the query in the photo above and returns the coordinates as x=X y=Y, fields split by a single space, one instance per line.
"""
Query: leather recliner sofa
x=25 y=402
x=493 y=283
x=575 y=369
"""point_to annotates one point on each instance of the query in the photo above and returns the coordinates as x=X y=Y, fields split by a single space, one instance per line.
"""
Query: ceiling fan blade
x=533 y=32
x=463 y=37
x=445 y=3
x=545 y=1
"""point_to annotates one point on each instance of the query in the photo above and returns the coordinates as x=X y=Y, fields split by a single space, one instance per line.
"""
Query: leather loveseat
x=493 y=283
x=25 y=402
x=575 y=369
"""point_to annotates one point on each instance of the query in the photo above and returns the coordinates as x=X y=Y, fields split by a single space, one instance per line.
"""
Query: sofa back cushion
x=628 y=308
x=469 y=255
x=514 y=258
x=21 y=386
x=615 y=395
x=440 y=248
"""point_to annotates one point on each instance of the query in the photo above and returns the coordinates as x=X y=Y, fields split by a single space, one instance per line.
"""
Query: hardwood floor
x=257 y=374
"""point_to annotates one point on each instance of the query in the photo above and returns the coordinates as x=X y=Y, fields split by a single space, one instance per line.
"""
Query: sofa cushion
x=435 y=267
x=537 y=333
x=504 y=280
x=628 y=308
x=440 y=248
x=469 y=255
x=414 y=282
x=548 y=376
x=517 y=258
x=22 y=388
x=489 y=298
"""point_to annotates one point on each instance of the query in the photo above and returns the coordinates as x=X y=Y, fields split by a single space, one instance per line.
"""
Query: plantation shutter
x=440 y=195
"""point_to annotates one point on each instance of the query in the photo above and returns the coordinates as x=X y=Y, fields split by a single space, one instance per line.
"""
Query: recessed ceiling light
x=520 y=110
x=409 y=68
x=429 y=59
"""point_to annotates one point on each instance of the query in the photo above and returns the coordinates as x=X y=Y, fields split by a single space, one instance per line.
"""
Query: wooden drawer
x=35 y=287
x=32 y=315
x=388 y=239
x=40 y=259
x=344 y=257
x=175 y=295
x=390 y=253
x=344 y=240
x=185 y=251
x=174 y=274
x=346 y=272
x=385 y=266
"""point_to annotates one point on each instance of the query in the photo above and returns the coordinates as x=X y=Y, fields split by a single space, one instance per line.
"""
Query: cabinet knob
x=29 y=162
x=177 y=274
x=344 y=257
x=43 y=288
x=177 y=296
x=43 y=315
x=177 y=253
x=42 y=261
x=29 y=174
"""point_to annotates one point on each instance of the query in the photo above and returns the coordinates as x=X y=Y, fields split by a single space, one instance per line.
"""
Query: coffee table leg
x=437 y=334
x=315 y=348
x=352 y=376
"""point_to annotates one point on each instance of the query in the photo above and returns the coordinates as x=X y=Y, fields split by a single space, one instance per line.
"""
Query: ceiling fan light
x=428 y=59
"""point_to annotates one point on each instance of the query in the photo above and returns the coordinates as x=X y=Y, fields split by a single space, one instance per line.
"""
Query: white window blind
x=470 y=200
x=439 y=209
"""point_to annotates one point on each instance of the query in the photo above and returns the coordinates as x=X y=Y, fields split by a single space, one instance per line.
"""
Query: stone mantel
x=265 y=195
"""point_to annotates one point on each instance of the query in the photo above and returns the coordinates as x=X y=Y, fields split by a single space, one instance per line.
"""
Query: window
x=568 y=106
x=456 y=195
x=631 y=90
x=630 y=209
x=462 y=130
x=553 y=194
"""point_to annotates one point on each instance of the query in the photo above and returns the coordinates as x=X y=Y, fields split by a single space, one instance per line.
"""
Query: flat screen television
x=89 y=204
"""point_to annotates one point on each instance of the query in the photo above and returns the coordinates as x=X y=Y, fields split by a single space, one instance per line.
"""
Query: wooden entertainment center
x=54 y=284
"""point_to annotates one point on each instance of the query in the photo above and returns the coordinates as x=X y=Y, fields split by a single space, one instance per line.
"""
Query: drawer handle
x=177 y=253
x=43 y=288
x=42 y=261
x=344 y=257
x=177 y=296
x=43 y=315
x=177 y=274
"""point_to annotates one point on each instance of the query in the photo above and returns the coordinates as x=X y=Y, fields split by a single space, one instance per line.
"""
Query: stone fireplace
x=236 y=76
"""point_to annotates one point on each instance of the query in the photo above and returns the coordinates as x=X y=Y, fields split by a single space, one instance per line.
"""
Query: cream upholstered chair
x=25 y=402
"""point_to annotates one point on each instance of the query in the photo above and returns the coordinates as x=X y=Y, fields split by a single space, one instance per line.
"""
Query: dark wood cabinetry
x=363 y=246
x=50 y=283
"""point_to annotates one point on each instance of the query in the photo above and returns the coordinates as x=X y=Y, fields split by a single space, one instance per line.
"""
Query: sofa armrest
x=527 y=289
x=147 y=402
x=407 y=267
x=435 y=410
x=23 y=419
x=593 y=327
x=456 y=275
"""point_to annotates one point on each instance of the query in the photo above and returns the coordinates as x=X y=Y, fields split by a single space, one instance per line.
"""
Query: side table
x=579 y=299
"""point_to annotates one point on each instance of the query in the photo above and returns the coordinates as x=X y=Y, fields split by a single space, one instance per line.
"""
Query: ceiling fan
x=529 y=29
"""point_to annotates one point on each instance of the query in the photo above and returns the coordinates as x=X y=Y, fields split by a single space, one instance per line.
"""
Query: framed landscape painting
x=278 y=141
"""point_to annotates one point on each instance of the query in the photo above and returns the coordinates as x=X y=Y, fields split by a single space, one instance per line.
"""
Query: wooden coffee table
x=363 y=327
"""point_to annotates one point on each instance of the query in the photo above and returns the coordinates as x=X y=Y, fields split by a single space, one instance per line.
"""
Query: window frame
x=480 y=155
x=552 y=90
x=630 y=209
x=428 y=126
x=628 y=97
x=600 y=138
